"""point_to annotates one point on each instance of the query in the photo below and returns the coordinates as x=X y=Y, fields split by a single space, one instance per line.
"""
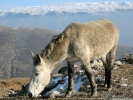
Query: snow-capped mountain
x=90 y=7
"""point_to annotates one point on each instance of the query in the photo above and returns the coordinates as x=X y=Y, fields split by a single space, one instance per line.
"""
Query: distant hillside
x=15 y=44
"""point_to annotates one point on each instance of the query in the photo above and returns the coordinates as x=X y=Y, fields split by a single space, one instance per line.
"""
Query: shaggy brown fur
x=84 y=42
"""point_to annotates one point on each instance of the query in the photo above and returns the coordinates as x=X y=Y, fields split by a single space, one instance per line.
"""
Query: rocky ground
x=122 y=84
x=9 y=87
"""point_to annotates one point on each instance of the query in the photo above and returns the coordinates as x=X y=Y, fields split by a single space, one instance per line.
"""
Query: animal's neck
x=58 y=52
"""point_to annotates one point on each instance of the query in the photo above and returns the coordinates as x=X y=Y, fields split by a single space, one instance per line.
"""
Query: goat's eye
x=36 y=74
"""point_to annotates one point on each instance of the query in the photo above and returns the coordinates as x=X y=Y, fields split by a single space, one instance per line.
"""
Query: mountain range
x=87 y=7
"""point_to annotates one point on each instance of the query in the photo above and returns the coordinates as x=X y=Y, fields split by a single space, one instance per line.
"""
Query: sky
x=8 y=4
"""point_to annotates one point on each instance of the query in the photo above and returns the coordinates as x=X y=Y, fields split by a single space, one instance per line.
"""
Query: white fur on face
x=39 y=79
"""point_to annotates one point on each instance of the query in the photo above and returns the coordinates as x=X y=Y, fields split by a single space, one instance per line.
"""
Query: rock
x=123 y=84
x=96 y=62
x=81 y=71
x=88 y=86
x=84 y=78
x=56 y=92
x=95 y=72
x=61 y=90
x=63 y=70
x=78 y=68
x=130 y=61
x=126 y=56
x=52 y=95
x=118 y=63
x=56 y=76
x=124 y=62
x=11 y=91
x=127 y=59
x=24 y=90
x=99 y=79
x=61 y=81
x=49 y=87
x=25 y=87
x=115 y=67
x=86 y=82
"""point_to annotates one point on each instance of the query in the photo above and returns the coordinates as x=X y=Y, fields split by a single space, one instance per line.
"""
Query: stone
x=123 y=84
x=86 y=82
x=52 y=95
x=124 y=62
x=11 y=91
x=61 y=90
x=88 y=86
x=49 y=87
x=96 y=62
x=78 y=69
x=126 y=56
x=63 y=70
x=24 y=89
x=61 y=81
x=130 y=61
x=118 y=63
x=84 y=78
x=99 y=79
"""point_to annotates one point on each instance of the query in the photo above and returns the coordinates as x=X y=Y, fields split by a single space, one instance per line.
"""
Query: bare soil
x=8 y=86
x=122 y=80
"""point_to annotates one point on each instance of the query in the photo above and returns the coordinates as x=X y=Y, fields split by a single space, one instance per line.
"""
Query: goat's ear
x=39 y=58
x=35 y=60
x=32 y=54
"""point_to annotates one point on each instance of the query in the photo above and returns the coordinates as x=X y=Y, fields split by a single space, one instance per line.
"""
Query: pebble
x=88 y=86
x=84 y=78
x=117 y=63
x=51 y=95
x=123 y=84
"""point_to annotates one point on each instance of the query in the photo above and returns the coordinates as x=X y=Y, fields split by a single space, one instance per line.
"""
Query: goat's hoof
x=109 y=89
x=68 y=94
x=51 y=95
x=94 y=95
x=105 y=85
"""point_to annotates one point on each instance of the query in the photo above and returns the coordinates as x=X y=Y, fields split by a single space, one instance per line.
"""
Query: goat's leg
x=90 y=76
x=111 y=56
x=105 y=64
x=70 y=79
